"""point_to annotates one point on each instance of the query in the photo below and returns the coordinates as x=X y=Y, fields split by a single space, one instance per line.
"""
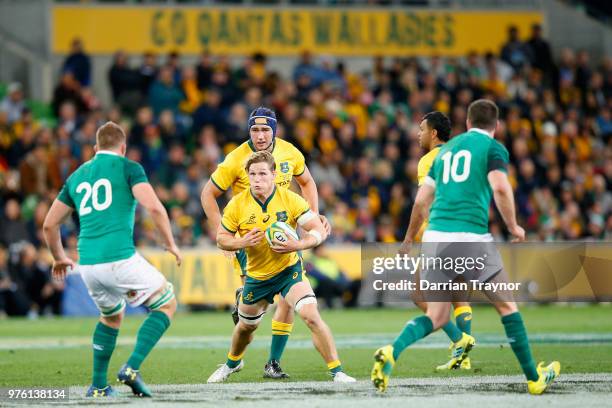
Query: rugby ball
x=280 y=231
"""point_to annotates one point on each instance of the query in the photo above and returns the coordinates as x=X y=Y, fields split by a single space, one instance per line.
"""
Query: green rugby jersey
x=463 y=194
x=100 y=191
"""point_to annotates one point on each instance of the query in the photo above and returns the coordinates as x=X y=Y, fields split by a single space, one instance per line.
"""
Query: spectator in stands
x=209 y=113
x=164 y=93
x=125 y=84
x=204 y=70
x=148 y=72
x=13 y=103
x=12 y=228
x=542 y=55
x=68 y=90
x=34 y=272
x=193 y=96
x=174 y=63
x=515 y=52
x=37 y=175
x=78 y=63
x=174 y=168
x=153 y=151
x=12 y=301
x=329 y=281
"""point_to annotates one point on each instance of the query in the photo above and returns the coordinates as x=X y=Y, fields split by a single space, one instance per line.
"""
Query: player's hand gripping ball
x=280 y=231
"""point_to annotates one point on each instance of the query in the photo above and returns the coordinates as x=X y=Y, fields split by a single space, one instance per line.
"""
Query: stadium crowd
x=357 y=130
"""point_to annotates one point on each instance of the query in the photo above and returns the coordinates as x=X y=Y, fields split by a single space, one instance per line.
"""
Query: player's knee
x=163 y=300
x=112 y=321
x=169 y=308
x=311 y=317
x=245 y=328
x=506 y=308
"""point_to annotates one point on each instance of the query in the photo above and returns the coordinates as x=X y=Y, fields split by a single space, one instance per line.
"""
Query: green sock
x=149 y=334
x=452 y=331
x=415 y=330
x=104 y=340
x=280 y=336
x=517 y=337
x=463 y=317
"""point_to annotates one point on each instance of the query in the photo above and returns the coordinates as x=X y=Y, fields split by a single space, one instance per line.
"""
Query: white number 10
x=93 y=193
x=451 y=166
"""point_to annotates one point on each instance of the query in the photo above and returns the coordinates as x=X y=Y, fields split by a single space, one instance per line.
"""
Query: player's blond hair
x=110 y=136
x=261 y=157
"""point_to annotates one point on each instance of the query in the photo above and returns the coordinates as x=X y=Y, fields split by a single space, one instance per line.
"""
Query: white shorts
x=111 y=284
x=438 y=236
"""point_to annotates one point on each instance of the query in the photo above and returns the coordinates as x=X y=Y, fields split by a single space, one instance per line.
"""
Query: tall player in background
x=467 y=171
x=104 y=191
x=434 y=131
x=231 y=173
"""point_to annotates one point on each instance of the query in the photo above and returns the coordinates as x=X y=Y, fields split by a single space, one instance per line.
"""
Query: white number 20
x=93 y=193
x=451 y=166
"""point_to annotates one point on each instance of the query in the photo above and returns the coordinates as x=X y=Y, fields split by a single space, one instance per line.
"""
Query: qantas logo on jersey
x=284 y=182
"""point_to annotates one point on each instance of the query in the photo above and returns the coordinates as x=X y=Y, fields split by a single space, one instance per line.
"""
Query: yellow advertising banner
x=287 y=31
x=548 y=272
x=208 y=277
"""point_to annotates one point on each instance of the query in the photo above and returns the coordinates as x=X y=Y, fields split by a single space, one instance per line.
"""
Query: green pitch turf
x=56 y=352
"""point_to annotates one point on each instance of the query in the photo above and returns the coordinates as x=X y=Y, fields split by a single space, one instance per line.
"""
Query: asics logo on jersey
x=266 y=218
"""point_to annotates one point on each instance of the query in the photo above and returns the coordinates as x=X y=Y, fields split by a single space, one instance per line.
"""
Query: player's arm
x=504 y=199
x=145 y=195
x=208 y=198
x=315 y=235
x=420 y=212
x=228 y=241
x=310 y=193
x=58 y=212
x=230 y=224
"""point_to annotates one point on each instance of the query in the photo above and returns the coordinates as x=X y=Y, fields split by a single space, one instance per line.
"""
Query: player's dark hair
x=110 y=136
x=438 y=121
x=483 y=114
x=262 y=156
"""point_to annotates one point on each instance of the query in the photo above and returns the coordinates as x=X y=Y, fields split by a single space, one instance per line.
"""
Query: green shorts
x=256 y=290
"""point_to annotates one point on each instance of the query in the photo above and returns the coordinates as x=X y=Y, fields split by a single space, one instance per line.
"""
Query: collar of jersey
x=264 y=206
x=107 y=152
x=479 y=130
x=250 y=142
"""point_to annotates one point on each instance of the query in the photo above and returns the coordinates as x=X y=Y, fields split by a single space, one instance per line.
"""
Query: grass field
x=57 y=352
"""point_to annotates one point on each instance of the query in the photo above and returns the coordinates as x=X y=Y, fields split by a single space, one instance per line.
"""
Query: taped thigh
x=309 y=299
x=249 y=319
